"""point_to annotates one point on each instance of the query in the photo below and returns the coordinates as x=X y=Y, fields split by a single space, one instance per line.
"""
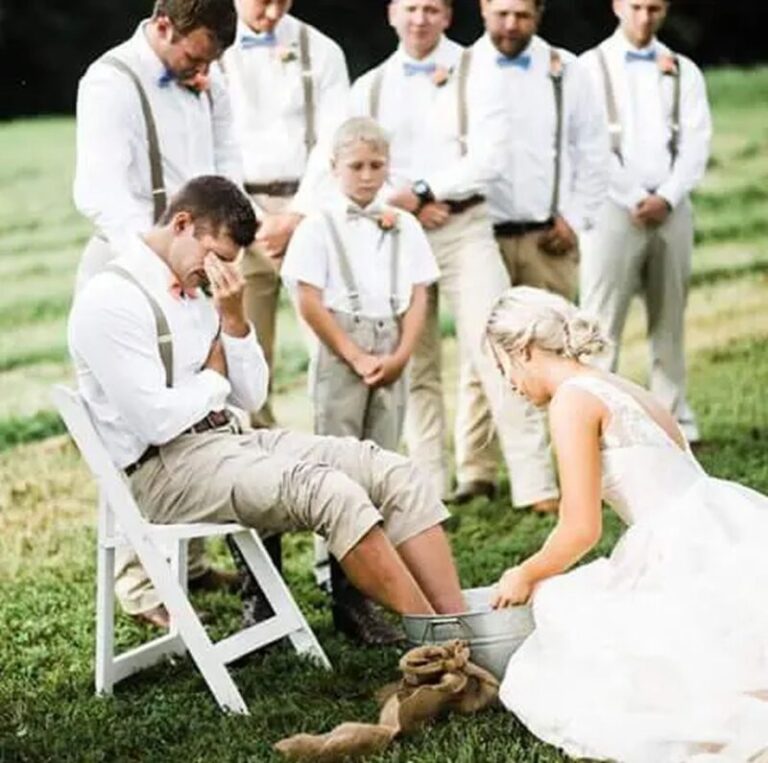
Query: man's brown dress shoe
x=157 y=616
x=467 y=491
x=216 y=580
x=548 y=506
x=360 y=619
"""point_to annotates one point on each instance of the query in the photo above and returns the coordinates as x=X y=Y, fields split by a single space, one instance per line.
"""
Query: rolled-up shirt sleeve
x=117 y=342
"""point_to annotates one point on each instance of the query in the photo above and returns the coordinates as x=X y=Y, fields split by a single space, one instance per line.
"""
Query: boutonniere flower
x=440 y=76
x=556 y=67
x=667 y=64
x=387 y=220
x=285 y=54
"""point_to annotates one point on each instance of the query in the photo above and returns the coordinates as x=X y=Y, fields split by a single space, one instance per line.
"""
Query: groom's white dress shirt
x=113 y=343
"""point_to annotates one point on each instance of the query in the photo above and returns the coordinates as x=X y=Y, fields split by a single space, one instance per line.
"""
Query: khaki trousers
x=262 y=297
x=618 y=261
x=273 y=480
x=344 y=406
x=527 y=453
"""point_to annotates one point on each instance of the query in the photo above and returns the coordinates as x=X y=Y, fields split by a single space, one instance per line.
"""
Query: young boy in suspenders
x=360 y=271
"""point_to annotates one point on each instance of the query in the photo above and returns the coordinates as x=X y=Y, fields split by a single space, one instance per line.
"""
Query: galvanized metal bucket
x=493 y=634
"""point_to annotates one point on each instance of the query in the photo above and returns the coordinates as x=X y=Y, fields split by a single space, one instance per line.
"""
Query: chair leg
x=279 y=596
x=105 y=619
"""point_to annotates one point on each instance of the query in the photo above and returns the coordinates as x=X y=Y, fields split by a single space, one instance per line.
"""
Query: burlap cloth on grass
x=436 y=680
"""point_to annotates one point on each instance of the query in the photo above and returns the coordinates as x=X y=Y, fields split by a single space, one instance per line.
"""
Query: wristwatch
x=423 y=193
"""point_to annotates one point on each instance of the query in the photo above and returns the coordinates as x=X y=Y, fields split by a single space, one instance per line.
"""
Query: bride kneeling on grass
x=658 y=654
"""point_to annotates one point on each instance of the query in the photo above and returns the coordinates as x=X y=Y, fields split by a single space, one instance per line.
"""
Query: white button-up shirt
x=645 y=101
x=113 y=185
x=267 y=93
x=517 y=127
x=114 y=346
x=312 y=258
x=408 y=111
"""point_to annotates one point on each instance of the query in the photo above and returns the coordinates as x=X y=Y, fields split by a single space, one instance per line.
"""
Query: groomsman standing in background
x=152 y=113
x=419 y=96
x=288 y=84
x=654 y=107
x=550 y=180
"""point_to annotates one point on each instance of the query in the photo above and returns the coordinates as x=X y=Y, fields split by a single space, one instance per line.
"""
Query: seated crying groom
x=187 y=457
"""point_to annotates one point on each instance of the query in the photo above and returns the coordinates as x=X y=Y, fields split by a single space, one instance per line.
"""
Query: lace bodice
x=642 y=465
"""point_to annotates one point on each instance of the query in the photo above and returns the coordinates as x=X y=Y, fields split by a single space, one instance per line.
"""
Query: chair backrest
x=115 y=491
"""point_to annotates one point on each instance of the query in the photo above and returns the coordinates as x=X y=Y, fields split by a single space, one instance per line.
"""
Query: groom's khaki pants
x=274 y=480
x=472 y=278
x=527 y=453
x=619 y=259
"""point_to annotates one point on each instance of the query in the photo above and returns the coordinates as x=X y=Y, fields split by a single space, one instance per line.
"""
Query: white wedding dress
x=658 y=654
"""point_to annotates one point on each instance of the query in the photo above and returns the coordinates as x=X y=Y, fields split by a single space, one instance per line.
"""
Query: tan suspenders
x=347 y=275
x=159 y=199
x=556 y=76
x=307 y=84
x=461 y=98
x=164 y=338
x=615 y=128
x=374 y=96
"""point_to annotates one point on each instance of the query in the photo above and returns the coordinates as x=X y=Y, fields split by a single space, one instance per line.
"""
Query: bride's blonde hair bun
x=524 y=315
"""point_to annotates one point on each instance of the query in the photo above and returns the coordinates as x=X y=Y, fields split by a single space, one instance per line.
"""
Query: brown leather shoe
x=360 y=619
x=157 y=616
x=468 y=491
x=216 y=580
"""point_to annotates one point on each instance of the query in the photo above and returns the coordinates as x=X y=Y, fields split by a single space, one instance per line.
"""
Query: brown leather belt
x=457 y=207
x=214 y=420
x=150 y=452
x=515 y=228
x=280 y=188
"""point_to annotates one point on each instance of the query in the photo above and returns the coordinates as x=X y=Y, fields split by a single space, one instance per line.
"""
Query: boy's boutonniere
x=440 y=76
x=387 y=220
x=285 y=54
x=668 y=64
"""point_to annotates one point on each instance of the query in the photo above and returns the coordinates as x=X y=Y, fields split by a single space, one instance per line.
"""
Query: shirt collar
x=341 y=203
x=147 y=266
x=285 y=30
x=148 y=59
x=440 y=55
x=622 y=45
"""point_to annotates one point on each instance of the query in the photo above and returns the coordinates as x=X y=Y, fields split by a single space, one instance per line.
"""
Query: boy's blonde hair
x=358 y=129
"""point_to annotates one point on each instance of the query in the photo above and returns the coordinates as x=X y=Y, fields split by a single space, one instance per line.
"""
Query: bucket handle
x=432 y=625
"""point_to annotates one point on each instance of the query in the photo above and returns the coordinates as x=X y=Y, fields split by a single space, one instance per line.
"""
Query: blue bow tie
x=647 y=56
x=166 y=78
x=266 y=40
x=521 y=62
x=411 y=70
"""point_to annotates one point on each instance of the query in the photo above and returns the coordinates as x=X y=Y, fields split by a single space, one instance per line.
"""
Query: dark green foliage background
x=45 y=45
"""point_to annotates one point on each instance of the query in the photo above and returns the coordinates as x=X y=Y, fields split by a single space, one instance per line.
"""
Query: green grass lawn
x=47 y=560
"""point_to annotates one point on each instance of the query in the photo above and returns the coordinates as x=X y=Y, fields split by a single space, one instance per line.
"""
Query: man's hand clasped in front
x=559 y=239
x=651 y=212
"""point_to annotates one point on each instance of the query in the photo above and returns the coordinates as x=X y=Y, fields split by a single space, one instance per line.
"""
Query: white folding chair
x=162 y=550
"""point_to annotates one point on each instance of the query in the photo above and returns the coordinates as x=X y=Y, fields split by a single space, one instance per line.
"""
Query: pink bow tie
x=179 y=292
